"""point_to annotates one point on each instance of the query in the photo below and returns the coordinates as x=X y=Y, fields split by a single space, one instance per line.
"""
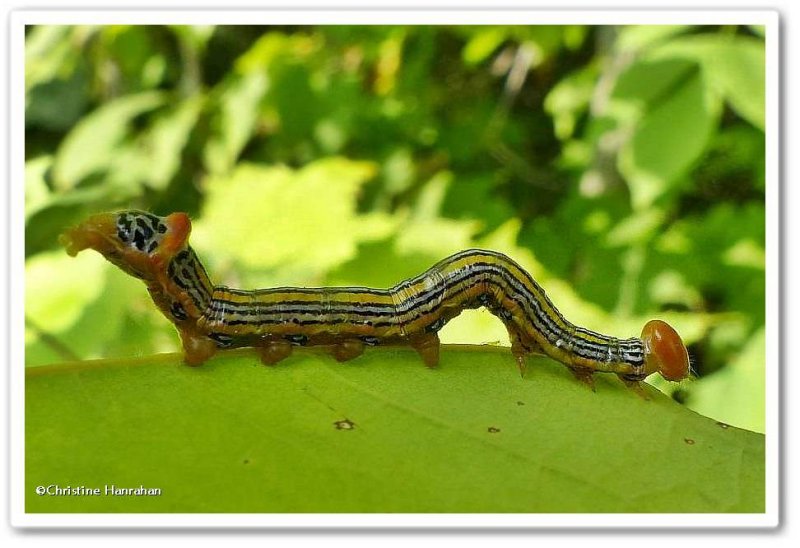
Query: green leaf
x=739 y=68
x=669 y=139
x=167 y=139
x=646 y=82
x=233 y=123
x=50 y=53
x=37 y=193
x=85 y=311
x=379 y=434
x=58 y=104
x=570 y=98
x=483 y=43
x=475 y=196
x=734 y=67
x=305 y=219
x=93 y=144
x=639 y=37
x=78 y=281
x=134 y=53
x=737 y=393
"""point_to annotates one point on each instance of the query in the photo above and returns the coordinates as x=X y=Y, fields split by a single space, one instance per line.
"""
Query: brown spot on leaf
x=344 y=424
x=689 y=441
x=493 y=430
x=520 y=403
x=722 y=424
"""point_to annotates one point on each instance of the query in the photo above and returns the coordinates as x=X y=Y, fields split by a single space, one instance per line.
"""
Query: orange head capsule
x=664 y=351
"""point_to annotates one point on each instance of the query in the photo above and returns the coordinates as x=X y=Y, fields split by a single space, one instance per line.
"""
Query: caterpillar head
x=136 y=241
x=664 y=351
x=147 y=233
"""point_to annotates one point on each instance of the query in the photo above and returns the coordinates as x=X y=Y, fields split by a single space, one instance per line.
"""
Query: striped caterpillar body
x=347 y=319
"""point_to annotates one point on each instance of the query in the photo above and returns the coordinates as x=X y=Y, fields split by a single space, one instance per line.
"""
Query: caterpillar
x=210 y=317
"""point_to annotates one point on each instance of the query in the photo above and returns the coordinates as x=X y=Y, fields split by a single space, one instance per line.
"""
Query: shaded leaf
x=57 y=104
x=647 y=82
x=669 y=140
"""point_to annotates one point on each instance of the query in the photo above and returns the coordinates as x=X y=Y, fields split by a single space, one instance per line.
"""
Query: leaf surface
x=379 y=434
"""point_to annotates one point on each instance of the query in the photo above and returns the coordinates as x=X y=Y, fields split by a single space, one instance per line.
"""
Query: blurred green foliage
x=623 y=166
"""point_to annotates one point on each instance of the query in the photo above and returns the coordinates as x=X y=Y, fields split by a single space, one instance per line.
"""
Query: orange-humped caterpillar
x=347 y=319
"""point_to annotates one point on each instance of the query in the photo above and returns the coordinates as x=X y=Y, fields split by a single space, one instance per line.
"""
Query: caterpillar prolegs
x=347 y=319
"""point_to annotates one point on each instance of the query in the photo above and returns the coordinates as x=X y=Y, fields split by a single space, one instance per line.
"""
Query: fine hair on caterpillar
x=348 y=319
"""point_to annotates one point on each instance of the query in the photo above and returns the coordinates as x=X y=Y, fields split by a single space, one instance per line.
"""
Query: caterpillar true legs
x=348 y=319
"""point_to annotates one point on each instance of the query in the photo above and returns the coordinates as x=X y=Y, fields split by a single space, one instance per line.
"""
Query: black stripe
x=245 y=308
x=612 y=349
x=184 y=269
x=545 y=325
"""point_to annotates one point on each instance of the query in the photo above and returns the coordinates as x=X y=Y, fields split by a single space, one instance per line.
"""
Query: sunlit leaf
x=482 y=44
x=637 y=37
x=167 y=139
x=49 y=54
x=234 y=120
x=570 y=98
x=37 y=192
x=78 y=281
x=266 y=217
x=92 y=311
x=737 y=393
x=380 y=434
x=92 y=145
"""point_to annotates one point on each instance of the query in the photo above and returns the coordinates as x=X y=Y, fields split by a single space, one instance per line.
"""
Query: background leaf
x=734 y=66
x=93 y=143
x=670 y=138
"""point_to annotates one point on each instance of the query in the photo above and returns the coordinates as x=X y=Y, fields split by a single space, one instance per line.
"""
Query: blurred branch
x=516 y=65
x=191 y=76
x=52 y=341
x=602 y=174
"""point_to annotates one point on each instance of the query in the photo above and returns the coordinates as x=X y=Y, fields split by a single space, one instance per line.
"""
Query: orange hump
x=664 y=351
